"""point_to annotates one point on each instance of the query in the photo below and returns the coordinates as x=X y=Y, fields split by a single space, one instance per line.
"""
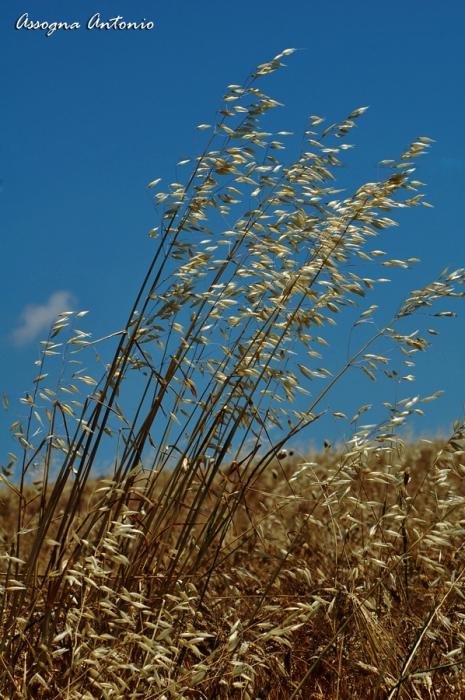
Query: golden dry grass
x=362 y=608
x=212 y=564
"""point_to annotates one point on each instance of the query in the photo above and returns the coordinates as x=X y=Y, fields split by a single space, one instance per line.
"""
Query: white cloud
x=36 y=318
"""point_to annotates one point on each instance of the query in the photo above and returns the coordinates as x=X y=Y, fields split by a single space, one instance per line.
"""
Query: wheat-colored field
x=213 y=561
x=309 y=595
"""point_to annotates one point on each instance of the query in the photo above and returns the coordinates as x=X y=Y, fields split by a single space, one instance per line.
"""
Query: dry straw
x=210 y=563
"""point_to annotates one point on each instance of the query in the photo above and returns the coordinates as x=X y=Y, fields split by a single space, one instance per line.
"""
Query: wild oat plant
x=211 y=563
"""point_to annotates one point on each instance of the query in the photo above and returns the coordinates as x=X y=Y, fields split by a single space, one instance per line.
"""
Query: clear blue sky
x=90 y=117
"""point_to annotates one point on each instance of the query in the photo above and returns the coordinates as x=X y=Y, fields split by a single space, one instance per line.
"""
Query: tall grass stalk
x=211 y=563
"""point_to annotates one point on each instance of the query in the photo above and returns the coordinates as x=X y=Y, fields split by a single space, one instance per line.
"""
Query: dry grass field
x=308 y=597
x=213 y=561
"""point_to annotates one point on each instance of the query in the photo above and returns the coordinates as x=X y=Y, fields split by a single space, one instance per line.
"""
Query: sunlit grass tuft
x=211 y=562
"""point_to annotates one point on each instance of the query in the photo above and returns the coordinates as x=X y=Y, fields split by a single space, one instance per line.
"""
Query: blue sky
x=90 y=117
